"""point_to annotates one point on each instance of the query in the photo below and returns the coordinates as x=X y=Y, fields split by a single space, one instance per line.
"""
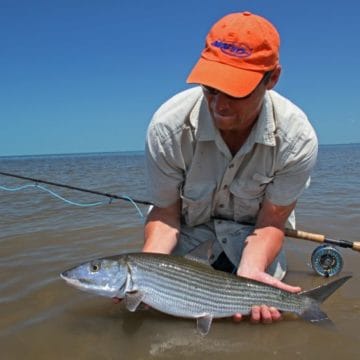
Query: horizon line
x=124 y=151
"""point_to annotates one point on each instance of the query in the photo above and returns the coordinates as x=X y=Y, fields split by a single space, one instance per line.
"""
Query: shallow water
x=41 y=317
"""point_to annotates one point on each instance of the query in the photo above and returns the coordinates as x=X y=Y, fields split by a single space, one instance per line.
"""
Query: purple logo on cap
x=232 y=49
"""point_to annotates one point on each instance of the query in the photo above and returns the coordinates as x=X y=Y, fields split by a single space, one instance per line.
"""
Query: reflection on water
x=41 y=317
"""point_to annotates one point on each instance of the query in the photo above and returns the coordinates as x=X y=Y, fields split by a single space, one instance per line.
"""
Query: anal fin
x=204 y=324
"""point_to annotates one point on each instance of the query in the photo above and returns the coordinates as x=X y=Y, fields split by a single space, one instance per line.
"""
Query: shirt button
x=231 y=166
x=221 y=205
x=224 y=240
x=225 y=187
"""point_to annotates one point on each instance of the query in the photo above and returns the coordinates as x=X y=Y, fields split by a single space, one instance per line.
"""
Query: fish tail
x=318 y=295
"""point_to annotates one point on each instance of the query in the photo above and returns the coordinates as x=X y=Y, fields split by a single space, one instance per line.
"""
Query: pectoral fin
x=133 y=300
x=204 y=324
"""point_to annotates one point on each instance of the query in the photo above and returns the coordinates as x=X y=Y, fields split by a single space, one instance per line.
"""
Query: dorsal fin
x=201 y=253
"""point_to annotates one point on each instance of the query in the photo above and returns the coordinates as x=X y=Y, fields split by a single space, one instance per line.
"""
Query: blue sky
x=86 y=76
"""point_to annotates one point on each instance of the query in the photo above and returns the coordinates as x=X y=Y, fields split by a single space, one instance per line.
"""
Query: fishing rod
x=299 y=234
x=326 y=260
x=354 y=245
x=111 y=196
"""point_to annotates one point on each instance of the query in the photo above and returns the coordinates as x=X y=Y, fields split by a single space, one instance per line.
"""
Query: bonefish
x=187 y=288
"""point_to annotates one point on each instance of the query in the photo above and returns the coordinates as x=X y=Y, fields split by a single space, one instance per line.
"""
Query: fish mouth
x=88 y=286
x=80 y=284
x=74 y=282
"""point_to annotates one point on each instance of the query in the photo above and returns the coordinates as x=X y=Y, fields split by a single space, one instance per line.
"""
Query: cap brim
x=228 y=79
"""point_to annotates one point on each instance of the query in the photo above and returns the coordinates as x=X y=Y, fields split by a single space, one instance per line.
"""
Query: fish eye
x=95 y=267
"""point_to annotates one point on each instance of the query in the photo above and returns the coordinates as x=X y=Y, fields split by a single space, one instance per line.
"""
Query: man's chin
x=225 y=123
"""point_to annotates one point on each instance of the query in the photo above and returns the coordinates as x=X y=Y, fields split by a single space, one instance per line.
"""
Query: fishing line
x=70 y=202
x=294 y=233
x=53 y=193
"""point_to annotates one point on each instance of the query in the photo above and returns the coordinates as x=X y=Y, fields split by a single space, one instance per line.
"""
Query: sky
x=86 y=76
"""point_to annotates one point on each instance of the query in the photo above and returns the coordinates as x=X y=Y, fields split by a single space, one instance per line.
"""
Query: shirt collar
x=263 y=132
x=264 y=129
x=202 y=121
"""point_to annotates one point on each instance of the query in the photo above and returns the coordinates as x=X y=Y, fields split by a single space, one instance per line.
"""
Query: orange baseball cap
x=239 y=49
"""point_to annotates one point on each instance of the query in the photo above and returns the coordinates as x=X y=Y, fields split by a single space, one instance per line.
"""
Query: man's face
x=237 y=114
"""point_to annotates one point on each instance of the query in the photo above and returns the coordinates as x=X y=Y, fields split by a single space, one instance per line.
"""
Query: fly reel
x=326 y=261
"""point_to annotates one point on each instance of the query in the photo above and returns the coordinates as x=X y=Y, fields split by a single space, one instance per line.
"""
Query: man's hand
x=263 y=313
x=162 y=229
x=261 y=248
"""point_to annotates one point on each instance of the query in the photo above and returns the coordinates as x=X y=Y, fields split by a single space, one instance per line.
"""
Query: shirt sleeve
x=169 y=147
x=293 y=176
x=164 y=166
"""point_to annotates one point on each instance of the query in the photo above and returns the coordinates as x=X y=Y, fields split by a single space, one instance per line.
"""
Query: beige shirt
x=187 y=158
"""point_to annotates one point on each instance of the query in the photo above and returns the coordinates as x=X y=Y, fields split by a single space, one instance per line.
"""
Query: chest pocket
x=196 y=207
x=248 y=196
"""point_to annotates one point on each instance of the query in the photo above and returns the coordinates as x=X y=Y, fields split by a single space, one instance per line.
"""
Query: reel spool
x=326 y=261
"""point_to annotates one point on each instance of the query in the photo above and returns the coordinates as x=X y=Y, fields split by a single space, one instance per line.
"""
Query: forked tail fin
x=319 y=295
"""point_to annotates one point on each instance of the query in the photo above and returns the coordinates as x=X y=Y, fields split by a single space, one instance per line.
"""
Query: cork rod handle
x=299 y=234
x=304 y=235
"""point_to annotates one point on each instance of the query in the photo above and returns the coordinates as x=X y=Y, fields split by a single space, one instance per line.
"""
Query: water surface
x=41 y=317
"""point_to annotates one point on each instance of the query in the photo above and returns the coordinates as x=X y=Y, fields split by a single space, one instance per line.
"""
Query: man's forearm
x=162 y=229
x=261 y=248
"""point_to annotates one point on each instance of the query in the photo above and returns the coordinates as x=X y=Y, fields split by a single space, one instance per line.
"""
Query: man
x=230 y=153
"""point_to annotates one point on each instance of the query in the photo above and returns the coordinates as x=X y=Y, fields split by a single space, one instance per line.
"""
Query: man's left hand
x=264 y=313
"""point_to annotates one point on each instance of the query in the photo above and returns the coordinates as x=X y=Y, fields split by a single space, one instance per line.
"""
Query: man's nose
x=221 y=102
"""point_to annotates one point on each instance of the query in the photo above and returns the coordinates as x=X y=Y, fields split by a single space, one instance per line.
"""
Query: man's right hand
x=162 y=229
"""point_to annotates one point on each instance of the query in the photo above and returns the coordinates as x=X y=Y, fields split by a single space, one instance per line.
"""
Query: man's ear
x=274 y=78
